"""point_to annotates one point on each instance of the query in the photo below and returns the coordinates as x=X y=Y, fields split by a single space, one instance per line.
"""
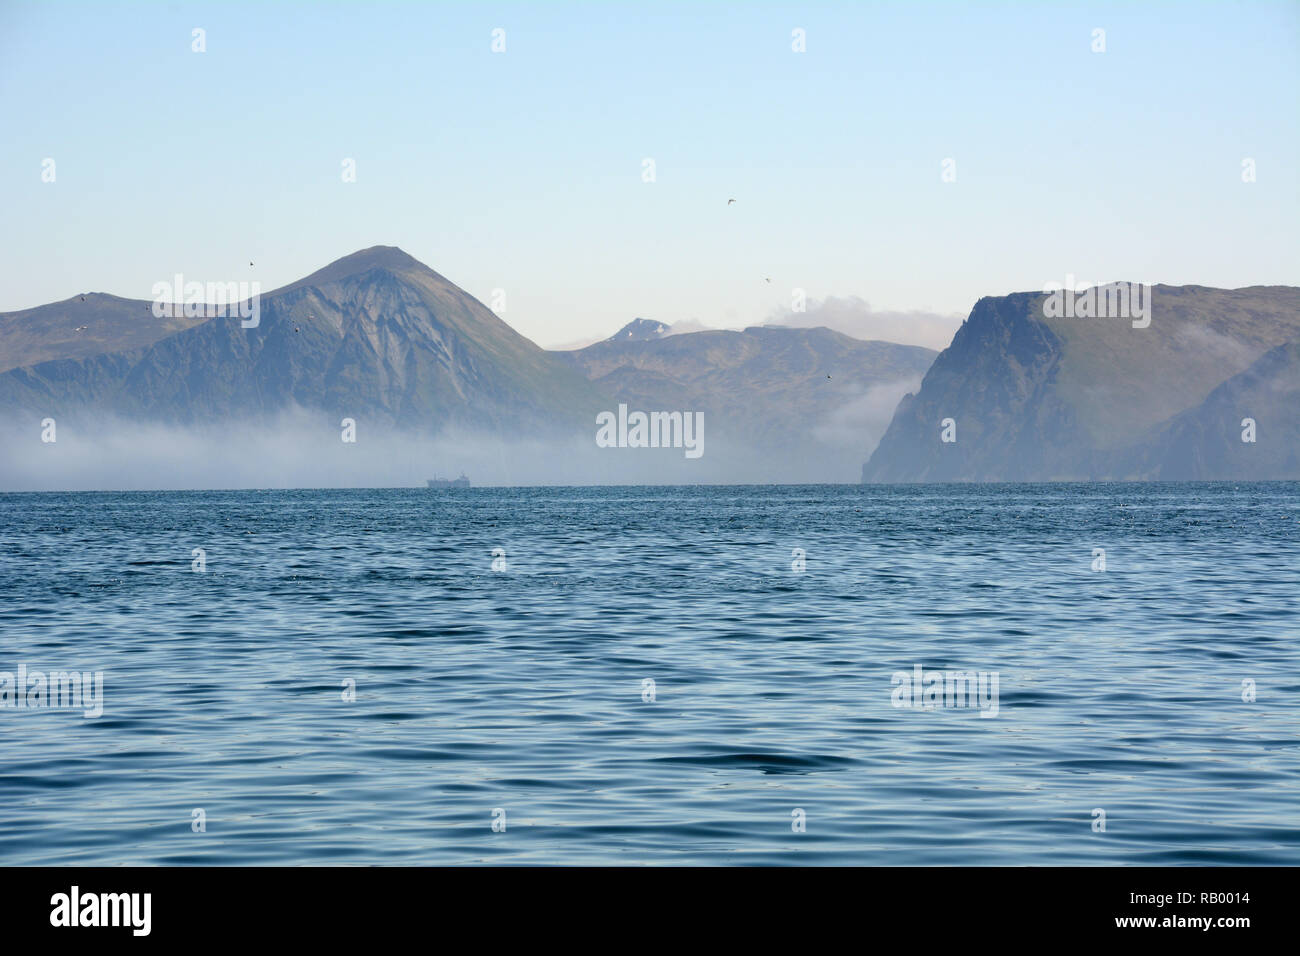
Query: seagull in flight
x=730 y=201
x=81 y=328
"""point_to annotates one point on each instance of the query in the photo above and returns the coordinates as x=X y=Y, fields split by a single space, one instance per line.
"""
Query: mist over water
x=305 y=450
x=523 y=689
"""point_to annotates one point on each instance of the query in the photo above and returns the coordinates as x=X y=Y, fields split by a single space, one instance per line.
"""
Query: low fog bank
x=301 y=450
x=863 y=414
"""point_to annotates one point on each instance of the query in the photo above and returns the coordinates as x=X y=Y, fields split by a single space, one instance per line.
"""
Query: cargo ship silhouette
x=461 y=482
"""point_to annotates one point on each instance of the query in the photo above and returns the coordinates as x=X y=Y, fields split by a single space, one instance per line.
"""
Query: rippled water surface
x=523 y=689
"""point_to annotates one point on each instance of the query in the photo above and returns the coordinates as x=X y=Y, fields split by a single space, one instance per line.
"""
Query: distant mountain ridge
x=81 y=327
x=801 y=396
x=1033 y=398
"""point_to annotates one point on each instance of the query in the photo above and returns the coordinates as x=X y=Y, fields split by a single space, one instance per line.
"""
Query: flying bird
x=83 y=298
x=81 y=328
x=767 y=280
x=730 y=201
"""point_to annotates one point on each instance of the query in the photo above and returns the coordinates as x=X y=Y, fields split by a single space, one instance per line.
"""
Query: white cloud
x=854 y=317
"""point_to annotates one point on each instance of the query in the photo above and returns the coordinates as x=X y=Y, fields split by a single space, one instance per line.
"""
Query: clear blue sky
x=522 y=170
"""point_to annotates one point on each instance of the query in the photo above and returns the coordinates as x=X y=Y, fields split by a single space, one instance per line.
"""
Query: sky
x=525 y=170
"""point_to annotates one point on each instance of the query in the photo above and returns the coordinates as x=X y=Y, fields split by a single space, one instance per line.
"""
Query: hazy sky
x=523 y=170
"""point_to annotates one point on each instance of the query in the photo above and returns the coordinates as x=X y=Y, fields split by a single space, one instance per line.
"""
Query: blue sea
x=655 y=675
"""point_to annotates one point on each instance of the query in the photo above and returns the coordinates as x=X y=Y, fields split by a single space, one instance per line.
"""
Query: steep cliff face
x=376 y=335
x=1034 y=398
x=994 y=382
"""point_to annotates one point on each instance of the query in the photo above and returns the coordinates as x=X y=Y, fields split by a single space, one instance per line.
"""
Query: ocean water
x=524 y=690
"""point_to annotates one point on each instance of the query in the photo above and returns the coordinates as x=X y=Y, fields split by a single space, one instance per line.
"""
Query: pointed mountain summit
x=384 y=258
x=640 y=330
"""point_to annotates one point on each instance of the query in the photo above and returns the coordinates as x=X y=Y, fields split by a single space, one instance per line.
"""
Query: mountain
x=794 y=404
x=81 y=327
x=640 y=330
x=383 y=339
x=1036 y=396
x=376 y=336
x=1206 y=441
